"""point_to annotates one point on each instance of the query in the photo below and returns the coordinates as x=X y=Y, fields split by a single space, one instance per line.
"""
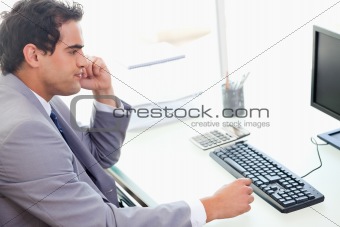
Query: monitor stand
x=331 y=137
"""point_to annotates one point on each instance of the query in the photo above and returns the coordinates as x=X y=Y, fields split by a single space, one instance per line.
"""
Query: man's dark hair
x=36 y=22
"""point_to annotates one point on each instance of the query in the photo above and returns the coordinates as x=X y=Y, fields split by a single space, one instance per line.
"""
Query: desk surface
x=168 y=167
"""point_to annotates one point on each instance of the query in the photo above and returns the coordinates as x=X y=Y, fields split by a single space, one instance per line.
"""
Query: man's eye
x=73 y=52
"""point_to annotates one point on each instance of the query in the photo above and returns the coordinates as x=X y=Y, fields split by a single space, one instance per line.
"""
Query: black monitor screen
x=326 y=78
x=326 y=72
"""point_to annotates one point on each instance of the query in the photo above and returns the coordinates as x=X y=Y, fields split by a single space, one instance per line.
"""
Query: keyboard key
x=288 y=203
x=263 y=179
x=301 y=199
x=276 y=196
x=273 y=178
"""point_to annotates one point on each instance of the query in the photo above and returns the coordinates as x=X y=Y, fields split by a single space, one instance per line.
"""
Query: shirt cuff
x=109 y=109
x=198 y=215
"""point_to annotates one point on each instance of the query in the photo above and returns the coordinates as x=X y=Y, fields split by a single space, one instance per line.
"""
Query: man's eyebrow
x=76 y=46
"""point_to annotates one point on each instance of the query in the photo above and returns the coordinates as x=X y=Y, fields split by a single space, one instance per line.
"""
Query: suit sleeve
x=39 y=176
x=106 y=135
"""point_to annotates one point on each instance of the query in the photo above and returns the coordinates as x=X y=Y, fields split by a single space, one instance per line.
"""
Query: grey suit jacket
x=45 y=181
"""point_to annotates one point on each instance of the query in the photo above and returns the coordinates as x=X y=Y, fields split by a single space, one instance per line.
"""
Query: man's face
x=60 y=72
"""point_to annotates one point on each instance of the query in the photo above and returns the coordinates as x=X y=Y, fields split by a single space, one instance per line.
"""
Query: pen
x=227 y=85
x=244 y=79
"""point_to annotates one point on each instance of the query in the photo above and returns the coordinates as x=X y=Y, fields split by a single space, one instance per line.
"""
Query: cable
x=317 y=149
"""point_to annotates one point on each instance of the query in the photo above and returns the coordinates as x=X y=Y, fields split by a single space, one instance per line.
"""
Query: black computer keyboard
x=273 y=182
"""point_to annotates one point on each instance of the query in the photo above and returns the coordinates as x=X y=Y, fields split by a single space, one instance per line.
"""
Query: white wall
x=274 y=40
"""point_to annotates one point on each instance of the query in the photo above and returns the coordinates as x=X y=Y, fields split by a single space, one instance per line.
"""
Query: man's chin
x=71 y=91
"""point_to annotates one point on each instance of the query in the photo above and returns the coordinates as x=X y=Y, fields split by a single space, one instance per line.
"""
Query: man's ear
x=31 y=53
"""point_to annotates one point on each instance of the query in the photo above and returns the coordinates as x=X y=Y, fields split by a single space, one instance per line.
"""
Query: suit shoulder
x=16 y=110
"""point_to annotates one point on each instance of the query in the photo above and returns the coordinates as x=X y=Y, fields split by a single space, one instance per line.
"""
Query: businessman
x=50 y=173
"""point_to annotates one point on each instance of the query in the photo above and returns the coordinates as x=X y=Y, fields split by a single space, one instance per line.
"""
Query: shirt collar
x=45 y=104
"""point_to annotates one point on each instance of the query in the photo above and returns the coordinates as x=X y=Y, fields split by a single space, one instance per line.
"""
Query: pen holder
x=233 y=102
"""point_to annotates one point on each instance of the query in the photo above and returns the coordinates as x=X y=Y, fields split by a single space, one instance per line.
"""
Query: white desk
x=168 y=167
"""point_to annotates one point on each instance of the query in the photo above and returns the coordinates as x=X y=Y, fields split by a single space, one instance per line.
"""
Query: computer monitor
x=326 y=78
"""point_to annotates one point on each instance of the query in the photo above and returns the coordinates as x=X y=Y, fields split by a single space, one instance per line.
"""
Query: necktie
x=55 y=121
